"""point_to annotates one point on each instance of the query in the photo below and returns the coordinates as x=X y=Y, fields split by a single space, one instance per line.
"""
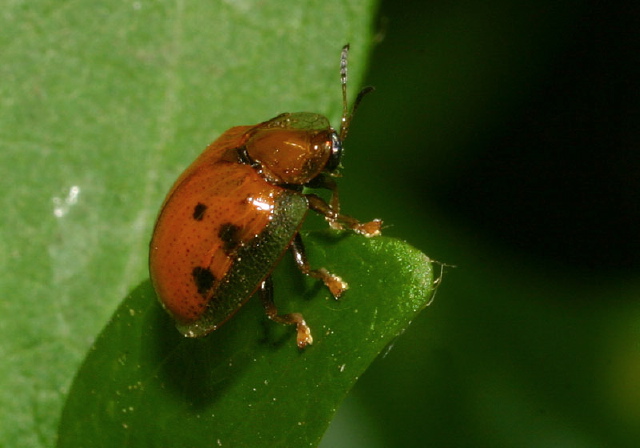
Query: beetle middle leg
x=266 y=295
x=335 y=284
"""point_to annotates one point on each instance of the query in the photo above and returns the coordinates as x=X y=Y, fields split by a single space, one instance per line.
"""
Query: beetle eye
x=336 y=154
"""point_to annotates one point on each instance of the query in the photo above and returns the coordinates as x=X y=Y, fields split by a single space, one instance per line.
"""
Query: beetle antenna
x=344 y=121
x=347 y=115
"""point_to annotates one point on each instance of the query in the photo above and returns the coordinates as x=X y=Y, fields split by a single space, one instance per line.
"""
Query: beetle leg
x=335 y=284
x=340 y=221
x=266 y=295
x=322 y=181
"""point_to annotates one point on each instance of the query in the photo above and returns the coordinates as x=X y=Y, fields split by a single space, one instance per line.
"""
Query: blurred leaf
x=102 y=104
x=247 y=384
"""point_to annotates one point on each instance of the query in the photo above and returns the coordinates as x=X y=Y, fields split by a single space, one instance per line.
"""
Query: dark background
x=503 y=139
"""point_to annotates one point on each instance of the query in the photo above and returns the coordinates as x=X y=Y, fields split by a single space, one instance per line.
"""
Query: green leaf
x=247 y=384
x=102 y=104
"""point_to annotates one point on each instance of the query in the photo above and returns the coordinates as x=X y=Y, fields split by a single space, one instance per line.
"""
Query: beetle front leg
x=340 y=221
x=266 y=295
x=335 y=283
x=323 y=181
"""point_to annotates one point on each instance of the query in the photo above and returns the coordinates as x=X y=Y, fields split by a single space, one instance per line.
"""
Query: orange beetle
x=232 y=214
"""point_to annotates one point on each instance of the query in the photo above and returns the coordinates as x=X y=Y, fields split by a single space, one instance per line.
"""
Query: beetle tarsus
x=335 y=283
x=369 y=229
x=304 y=333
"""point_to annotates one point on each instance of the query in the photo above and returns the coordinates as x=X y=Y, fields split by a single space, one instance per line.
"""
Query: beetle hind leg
x=335 y=283
x=304 y=337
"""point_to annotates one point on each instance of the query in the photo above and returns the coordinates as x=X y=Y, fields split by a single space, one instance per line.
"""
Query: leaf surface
x=247 y=384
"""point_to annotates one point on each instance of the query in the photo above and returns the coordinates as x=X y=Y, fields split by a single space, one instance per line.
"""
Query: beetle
x=232 y=214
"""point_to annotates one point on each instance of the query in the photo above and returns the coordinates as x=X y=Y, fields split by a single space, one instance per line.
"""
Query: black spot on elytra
x=198 y=211
x=229 y=234
x=204 y=279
